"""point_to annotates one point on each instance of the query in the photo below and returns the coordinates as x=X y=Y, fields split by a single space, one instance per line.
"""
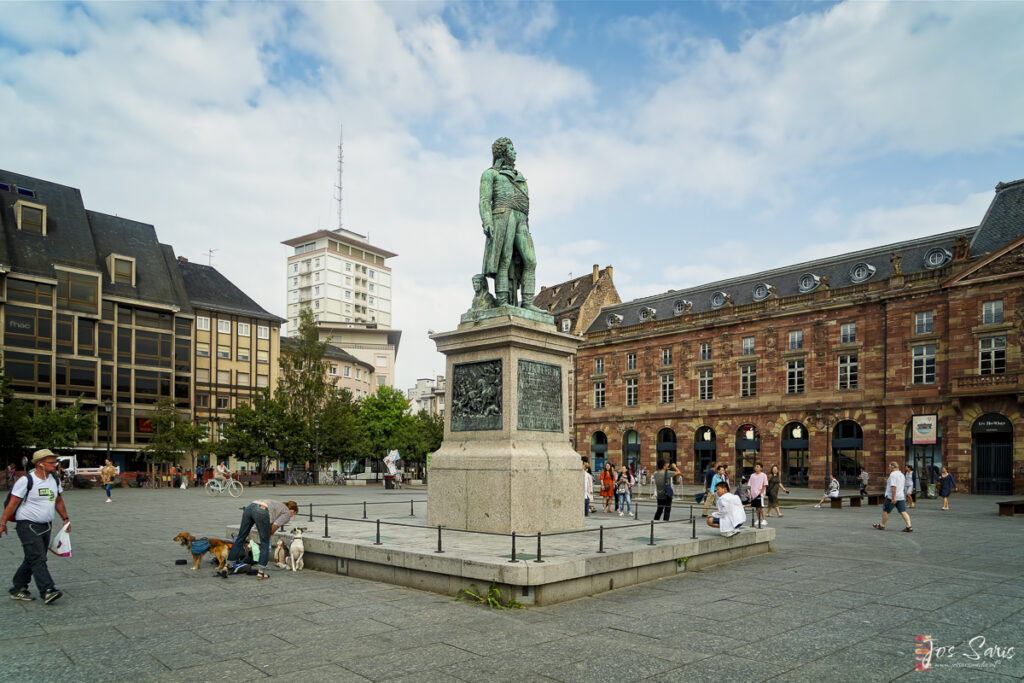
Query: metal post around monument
x=513 y=547
x=600 y=539
x=378 y=533
x=693 y=523
x=438 y=540
x=364 y=509
x=311 y=512
x=411 y=509
x=538 y=548
x=652 y=533
x=326 y=535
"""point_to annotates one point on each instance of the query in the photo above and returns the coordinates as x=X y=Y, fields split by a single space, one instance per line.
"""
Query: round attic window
x=808 y=282
x=718 y=300
x=862 y=272
x=761 y=291
x=936 y=258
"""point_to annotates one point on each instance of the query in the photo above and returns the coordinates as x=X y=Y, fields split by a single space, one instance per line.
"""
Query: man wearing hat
x=32 y=510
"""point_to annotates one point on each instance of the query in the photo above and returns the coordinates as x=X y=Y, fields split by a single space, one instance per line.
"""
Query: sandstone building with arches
x=908 y=352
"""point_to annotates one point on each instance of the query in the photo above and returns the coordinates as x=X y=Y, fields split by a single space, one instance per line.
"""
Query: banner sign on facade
x=924 y=429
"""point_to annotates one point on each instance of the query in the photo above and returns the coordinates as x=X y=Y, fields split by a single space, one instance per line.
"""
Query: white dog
x=296 y=550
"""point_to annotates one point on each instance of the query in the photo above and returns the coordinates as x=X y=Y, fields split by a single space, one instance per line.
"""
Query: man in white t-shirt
x=730 y=514
x=33 y=511
x=895 y=497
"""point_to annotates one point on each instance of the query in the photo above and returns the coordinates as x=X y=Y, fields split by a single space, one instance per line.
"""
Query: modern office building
x=427 y=395
x=237 y=344
x=93 y=306
x=909 y=352
x=345 y=282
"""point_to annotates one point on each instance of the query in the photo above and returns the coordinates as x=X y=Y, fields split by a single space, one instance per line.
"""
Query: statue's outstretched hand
x=487 y=230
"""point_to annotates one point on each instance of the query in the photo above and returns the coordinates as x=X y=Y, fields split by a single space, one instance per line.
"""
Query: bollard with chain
x=438 y=540
x=326 y=535
x=538 y=548
x=513 y=547
x=652 y=533
x=364 y=509
x=378 y=534
x=311 y=512
x=693 y=523
x=600 y=539
x=412 y=513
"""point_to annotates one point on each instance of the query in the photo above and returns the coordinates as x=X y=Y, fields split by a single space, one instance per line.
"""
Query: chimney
x=597 y=273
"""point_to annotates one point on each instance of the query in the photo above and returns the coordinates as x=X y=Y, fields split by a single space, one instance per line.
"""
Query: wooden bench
x=1008 y=508
x=876 y=498
x=837 y=503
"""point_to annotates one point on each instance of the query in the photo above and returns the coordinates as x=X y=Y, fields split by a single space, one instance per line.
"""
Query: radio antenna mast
x=341 y=166
x=209 y=256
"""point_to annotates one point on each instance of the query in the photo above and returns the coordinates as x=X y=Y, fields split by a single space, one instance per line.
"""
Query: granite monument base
x=506 y=463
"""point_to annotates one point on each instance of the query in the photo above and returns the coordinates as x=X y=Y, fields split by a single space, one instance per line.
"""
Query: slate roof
x=1003 y=222
x=207 y=288
x=566 y=296
x=84 y=239
x=333 y=353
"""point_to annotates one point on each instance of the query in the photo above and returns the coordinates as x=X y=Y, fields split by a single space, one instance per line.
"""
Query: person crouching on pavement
x=730 y=514
x=267 y=516
x=34 y=524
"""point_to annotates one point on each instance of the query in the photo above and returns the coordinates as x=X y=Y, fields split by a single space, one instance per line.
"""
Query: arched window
x=794 y=454
x=704 y=452
x=847 y=452
x=598 y=451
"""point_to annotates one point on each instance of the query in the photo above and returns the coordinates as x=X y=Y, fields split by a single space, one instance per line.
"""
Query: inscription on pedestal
x=540 y=396
x=476 y=396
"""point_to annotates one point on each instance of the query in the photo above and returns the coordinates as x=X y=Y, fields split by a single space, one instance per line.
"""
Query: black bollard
x=693 y=523
x=326 y=535
x=538 y=548
x=364 y=509
x=438 y=540
x=652 y=533
x=311 y=512
x=412 y=512
x=378 y=533
x=513 y=547
x=600 y=539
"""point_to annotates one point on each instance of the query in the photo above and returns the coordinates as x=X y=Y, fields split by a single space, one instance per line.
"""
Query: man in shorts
x=758 y=483
x=895 y=497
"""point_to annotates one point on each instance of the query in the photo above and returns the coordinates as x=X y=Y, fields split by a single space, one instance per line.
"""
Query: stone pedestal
x=506 y=463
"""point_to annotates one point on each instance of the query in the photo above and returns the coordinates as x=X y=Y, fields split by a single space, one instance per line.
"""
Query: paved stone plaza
x=837 y=600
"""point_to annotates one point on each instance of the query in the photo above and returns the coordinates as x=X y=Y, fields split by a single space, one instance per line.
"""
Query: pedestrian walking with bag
x=107 y=473
x=664 y=490
x=34 y=500
x=895 y=497
x=947 y=484
x=774 y=484
x=863 y=478
x=908 y=478
x=607 y=483
x=624 y=491
x=758 y=483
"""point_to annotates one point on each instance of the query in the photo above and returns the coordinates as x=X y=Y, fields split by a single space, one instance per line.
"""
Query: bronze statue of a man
x=504 y=210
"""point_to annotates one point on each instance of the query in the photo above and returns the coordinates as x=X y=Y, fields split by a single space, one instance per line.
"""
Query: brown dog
x=218 y=547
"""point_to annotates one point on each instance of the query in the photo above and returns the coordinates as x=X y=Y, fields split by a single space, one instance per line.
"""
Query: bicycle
x=215 y=487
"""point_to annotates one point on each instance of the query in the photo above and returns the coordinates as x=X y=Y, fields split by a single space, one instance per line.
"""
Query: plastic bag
x=60 y=544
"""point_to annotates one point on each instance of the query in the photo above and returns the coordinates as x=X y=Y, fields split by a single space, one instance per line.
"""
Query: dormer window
x=681 y=306
x=808 y=282
x=937 y=257
x=718 y=299
x=566 y=325
x=31 y=217
x=122 y=269
x=761 y=291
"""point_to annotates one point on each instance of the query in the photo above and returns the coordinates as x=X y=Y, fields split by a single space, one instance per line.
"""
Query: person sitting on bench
x=730 y=514
x=831 y=492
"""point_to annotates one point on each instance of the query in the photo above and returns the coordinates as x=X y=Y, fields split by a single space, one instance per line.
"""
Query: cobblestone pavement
x=837 y=600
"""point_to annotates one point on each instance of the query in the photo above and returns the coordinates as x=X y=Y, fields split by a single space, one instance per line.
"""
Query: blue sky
x=680 y=142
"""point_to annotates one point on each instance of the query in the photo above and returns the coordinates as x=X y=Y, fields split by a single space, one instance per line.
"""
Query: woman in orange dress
x=607 y=483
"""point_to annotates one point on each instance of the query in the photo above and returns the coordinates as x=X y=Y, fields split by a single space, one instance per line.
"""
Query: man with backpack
x=33 y=500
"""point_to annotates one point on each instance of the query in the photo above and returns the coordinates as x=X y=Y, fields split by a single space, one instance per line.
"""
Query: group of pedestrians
x=614 y=486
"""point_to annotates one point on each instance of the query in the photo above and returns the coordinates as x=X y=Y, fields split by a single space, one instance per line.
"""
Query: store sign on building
x=991 y=423
x=924 y=429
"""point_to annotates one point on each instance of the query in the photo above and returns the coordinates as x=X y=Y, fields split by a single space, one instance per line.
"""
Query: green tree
x=303 y=379
x=264 y=431
x=422 y=434
x=60 y=429
x=174 y=435
x=340 y=433
x=14 y=417
x=384 y=417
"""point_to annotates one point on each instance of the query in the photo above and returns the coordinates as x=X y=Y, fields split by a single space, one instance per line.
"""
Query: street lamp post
x=825 y=421
x=108 y=406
